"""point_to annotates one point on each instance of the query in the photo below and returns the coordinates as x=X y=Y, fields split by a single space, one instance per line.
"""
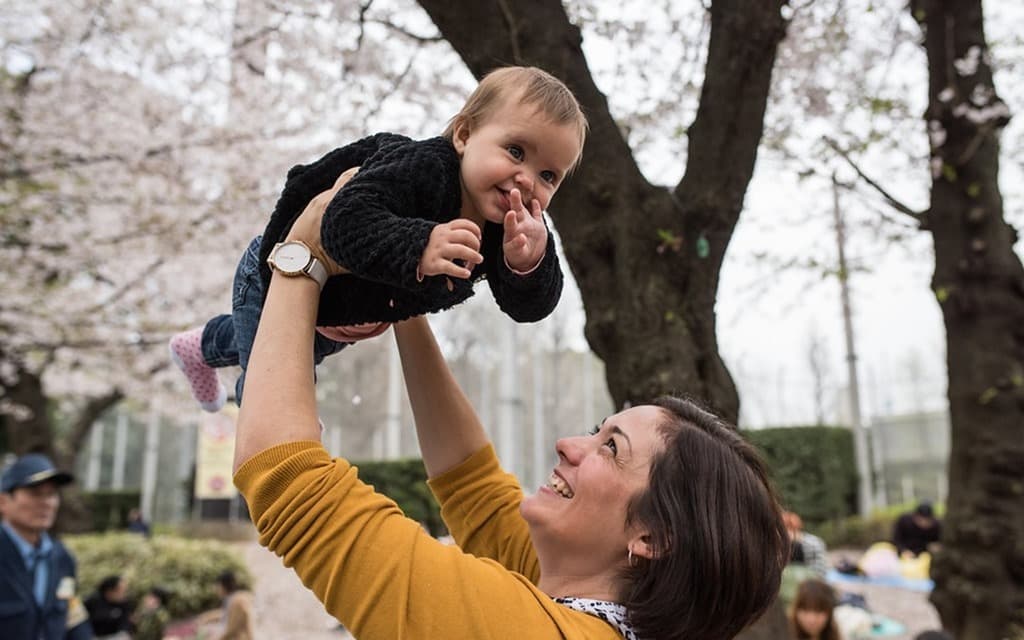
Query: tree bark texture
x=25 y=419
x=28 y=428
x=646 y=257
x=979 y=283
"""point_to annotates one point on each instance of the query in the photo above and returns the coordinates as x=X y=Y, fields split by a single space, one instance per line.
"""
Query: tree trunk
x=26 y=419
x=646 y=258
x=29 y=429
x=979 y=283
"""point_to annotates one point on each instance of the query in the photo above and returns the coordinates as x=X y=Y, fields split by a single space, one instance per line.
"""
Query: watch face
x=291 y=257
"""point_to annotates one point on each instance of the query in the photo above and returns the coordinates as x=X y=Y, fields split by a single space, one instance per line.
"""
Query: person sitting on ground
x=152 y=616
x=661 y=522
x=807 y=549
x=917 y=531
x=236 y=615
x=110 y=610
x=811 y=614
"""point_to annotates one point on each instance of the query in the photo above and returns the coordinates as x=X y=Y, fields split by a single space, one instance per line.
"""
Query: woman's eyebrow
x=625 y=437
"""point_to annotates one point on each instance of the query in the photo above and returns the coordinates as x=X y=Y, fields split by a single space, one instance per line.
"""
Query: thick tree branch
x=83 y=423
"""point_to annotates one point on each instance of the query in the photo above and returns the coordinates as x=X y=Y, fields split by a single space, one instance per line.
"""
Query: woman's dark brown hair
x=814 y=595
x=715 y=528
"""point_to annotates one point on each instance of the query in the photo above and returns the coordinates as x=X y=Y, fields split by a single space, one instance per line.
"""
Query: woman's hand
x=307 y=226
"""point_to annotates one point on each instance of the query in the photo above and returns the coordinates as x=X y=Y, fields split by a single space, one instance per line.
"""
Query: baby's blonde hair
x=533 y=86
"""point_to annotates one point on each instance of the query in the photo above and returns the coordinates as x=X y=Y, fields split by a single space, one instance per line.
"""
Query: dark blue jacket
x=20 y=617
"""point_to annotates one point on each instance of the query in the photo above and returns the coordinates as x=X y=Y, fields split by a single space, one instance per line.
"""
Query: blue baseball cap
x=30 y=469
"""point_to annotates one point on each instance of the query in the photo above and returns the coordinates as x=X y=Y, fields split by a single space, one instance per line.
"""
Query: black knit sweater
x=378 y=225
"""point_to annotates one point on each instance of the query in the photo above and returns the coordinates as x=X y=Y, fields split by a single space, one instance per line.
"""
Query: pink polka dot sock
x=187 y=352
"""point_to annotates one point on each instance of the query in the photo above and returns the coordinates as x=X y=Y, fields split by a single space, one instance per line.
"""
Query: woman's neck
x=569 y=578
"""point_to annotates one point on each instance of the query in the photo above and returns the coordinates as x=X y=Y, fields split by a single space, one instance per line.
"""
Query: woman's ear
x=641 y=547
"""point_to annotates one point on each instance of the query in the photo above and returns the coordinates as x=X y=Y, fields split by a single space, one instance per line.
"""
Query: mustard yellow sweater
x=382 y=576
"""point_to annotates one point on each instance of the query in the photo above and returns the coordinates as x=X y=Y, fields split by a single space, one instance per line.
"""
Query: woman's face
x=581 y=509
x=811 y=621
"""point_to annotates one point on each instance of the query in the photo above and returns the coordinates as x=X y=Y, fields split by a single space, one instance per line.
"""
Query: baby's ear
x=460 y=132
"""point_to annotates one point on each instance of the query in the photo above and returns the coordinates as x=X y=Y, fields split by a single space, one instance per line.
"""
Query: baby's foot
x=187 y=352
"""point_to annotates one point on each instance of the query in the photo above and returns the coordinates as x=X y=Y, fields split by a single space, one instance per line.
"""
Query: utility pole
x=393 y=421
x=539 y=446
x=510 y=402
x=860 y=439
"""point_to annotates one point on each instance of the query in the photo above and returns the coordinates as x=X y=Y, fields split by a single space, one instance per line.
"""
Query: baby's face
x=515 y=147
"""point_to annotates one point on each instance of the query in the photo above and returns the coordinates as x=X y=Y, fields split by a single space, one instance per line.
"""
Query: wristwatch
x=293 y=258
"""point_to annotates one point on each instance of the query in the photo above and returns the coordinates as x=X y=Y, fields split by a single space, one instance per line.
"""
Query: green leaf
x=949 y=172
x=703 y=247
x=942 y=294
x=988 y=395
x=881 y=105
x=973 y=190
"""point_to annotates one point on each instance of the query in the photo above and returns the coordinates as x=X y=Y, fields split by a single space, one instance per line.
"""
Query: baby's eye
x=516 y=151
x=548 y=176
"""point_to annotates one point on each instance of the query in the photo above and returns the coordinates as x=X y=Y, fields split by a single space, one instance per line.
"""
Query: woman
x=811 y=615
x=233 y=621
x=659 y=524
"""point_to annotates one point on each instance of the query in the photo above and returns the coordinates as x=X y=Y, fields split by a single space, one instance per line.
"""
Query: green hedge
x=813 y=468
x=186 y=568
x=405 y=482
x=109 y=509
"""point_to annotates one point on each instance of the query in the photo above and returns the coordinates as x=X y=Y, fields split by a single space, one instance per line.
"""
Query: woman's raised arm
x=280 y=396
x=448 y=427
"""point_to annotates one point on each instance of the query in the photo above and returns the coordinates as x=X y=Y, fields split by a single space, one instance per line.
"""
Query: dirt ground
x=910 y=608
x=286 y=610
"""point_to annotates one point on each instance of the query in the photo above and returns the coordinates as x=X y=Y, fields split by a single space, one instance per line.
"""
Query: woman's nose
x=571 y=450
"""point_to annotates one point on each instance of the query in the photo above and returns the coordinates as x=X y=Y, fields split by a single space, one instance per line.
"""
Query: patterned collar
x=611 y=612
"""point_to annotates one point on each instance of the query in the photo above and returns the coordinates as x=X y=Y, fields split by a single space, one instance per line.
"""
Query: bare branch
x=893 y=202
x=67 y=161
x=83 y=423
x=127 y=286
x=405 y=32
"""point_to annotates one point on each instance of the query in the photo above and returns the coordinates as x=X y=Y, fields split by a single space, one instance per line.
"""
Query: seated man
x=807 y=548
x=917 y=531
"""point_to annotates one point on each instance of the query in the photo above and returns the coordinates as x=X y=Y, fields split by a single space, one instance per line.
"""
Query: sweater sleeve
x=305 y=181
x=524 y=298
x=480 y=505
x=378 y=224
x=377 y=571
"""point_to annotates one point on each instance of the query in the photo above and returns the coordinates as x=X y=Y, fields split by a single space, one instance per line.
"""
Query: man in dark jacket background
x=39 y=597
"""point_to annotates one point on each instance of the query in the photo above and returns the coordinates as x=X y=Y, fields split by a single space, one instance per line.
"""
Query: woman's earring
x=632 y=561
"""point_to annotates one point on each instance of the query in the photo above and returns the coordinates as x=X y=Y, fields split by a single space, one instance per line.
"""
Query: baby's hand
x=458 y=240
x=526 y=237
